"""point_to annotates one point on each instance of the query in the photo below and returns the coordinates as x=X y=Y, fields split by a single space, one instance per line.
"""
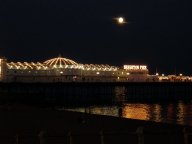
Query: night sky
x=158 y=32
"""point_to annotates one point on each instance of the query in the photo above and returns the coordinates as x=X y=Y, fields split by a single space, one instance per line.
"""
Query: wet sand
x=23 y=124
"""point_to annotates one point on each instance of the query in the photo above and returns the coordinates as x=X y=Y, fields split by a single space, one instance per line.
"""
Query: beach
x=24 y=124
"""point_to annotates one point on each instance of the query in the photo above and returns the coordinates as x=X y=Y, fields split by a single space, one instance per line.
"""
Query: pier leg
x=139 y=132
x=70 y=137
x=101 y=137
x=42 y=137
x=17 y=139
x=185 y=134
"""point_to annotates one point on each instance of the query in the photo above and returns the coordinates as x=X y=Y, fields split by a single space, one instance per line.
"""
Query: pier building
x=62 y=69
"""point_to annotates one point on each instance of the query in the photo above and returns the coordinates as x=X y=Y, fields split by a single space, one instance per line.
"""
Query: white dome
x=59 y=62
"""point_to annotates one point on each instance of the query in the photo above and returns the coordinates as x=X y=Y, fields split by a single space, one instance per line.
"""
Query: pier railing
x=138 y=136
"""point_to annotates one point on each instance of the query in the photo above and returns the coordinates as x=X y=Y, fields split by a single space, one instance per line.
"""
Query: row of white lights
x=157 y=74
x=18 y=66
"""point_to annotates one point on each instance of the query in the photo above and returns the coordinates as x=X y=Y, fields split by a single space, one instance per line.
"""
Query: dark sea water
x=177 y=113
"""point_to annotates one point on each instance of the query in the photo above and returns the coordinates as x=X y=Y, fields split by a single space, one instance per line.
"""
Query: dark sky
x=159 y=32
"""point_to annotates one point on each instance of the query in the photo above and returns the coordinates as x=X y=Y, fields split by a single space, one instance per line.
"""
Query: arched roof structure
x=59 y=62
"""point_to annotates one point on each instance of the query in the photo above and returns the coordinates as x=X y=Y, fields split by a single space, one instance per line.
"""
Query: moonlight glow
x=120 y=20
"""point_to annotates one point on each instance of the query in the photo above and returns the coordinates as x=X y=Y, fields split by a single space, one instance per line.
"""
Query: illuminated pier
x=66 y=70
x=62 y=69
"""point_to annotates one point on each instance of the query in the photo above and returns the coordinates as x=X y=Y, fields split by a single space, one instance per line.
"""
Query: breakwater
x=75 y=94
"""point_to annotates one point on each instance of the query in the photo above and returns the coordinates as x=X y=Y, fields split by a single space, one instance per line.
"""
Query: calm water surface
x=179 y=112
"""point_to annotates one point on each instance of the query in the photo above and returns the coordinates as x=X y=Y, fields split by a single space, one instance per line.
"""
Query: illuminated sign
x=135 y=67
x=143 y=67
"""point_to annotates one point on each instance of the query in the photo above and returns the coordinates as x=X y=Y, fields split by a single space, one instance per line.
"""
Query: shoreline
x=24 y=120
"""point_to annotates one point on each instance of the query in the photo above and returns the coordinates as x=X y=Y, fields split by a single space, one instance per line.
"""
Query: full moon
x=120 y=20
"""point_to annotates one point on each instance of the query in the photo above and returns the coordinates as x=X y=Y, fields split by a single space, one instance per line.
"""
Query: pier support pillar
x=139 y=132
x=70 y=137
x=185 y=134
x=42 y=137
x=17 y=139
x=101 y=137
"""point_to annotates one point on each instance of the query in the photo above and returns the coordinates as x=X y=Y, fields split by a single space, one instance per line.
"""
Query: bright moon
x=120 y=20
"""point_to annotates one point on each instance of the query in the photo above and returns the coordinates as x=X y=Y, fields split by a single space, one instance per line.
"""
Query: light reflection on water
x=180 y=113
x=136 y=111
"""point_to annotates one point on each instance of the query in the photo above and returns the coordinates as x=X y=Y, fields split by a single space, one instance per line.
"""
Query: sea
x=179 y=112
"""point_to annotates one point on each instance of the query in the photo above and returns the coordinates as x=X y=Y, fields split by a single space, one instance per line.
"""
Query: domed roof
x=59 y=62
